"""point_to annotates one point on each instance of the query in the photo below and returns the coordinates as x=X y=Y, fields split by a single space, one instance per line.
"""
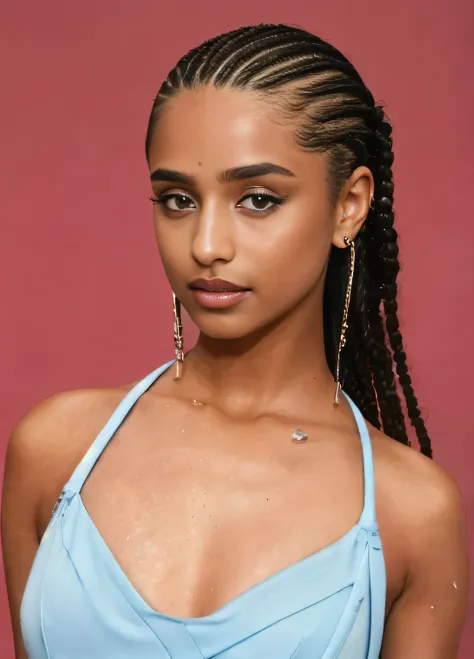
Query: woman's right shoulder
x=50 y=439
x=61 y=425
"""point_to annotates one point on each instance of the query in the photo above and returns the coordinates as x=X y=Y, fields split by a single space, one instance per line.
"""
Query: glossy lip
x=216 y=286
x=218 y=299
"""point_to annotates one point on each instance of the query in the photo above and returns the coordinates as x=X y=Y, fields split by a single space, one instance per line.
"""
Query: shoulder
x=420 y=508
x=54 y=423
x=420 y=488
x=424 y=533
x=49 y=440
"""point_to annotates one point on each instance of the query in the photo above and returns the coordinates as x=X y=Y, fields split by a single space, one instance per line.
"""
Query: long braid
x=380 y=267
x=309 y=80
x=389 y=253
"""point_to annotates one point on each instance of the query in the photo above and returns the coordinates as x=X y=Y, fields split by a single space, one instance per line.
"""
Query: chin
x=226 y=326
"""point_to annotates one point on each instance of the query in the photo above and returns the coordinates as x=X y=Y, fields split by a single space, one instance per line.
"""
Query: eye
x=260 y=202
x=174 y=202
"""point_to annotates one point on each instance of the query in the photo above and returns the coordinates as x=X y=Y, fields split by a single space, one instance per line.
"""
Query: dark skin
x=216 y=445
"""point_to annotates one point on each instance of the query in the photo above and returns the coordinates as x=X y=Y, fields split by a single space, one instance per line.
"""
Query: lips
x=217 y=293
x=216 y=286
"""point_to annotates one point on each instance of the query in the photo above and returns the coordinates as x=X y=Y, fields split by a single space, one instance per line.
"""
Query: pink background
x=85 y=302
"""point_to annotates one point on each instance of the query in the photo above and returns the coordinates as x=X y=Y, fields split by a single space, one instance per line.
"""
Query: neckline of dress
x=133 y=592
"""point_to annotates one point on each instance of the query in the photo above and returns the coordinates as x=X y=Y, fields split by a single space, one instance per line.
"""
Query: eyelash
x=276 y=201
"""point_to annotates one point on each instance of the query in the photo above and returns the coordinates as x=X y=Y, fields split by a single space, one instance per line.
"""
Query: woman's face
x=240 y=201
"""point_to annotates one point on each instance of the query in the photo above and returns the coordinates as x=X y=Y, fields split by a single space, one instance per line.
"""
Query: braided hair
x=311 y=81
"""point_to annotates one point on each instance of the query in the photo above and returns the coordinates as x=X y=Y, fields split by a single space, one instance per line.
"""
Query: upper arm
x=427 y=619
x=38 y=463
x=44 y=448
x=18 y=519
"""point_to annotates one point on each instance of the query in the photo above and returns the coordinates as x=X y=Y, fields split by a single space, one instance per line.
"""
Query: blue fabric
x=79 y=604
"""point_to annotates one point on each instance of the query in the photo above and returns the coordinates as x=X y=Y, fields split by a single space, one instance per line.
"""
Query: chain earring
x=178 y=338
x=342 y=340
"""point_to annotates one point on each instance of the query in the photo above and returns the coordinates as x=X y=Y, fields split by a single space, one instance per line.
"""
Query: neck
x=283 y=361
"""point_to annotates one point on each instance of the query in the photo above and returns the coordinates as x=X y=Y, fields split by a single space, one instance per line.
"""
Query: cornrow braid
x=312 y=83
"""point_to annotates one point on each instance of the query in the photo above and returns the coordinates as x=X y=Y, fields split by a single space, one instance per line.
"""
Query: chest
x=195 y=517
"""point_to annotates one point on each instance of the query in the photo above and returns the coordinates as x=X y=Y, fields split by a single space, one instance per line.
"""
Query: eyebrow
x=228 y=176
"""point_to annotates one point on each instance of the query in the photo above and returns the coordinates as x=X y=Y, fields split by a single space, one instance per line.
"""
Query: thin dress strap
x=367 y=519
x=87 y=463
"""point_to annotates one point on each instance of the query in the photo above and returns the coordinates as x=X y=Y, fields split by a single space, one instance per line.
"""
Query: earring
x=342 y=340
x=178 y=337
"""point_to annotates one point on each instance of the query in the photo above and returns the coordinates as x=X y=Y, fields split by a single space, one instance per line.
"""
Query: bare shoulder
x=420 y=489
x=422 y=521
x=59 y=426
x=45 y=445
x=49 y=440
x=423 y=528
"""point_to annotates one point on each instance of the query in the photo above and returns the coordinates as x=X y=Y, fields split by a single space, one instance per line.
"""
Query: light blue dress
x=79 y=604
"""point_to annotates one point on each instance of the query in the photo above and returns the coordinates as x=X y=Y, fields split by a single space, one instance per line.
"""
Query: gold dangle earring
x=342 y=340
x=178 y=338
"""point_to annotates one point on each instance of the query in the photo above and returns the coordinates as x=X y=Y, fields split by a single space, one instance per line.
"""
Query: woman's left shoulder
x=426 y=492
x=423 y=528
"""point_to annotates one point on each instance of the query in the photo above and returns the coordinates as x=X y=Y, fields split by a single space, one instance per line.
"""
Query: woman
x=235 y=512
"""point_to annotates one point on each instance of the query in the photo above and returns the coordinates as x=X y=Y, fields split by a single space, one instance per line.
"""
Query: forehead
x=219 y=128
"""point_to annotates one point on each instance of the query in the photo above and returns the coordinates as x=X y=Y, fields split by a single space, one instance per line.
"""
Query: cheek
x=291 y=253
x=172 y=246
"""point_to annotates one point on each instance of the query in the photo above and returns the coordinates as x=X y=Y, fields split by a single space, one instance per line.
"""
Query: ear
x=353 y=205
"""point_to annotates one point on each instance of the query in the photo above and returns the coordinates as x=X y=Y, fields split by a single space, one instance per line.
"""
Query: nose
x=213 y=239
